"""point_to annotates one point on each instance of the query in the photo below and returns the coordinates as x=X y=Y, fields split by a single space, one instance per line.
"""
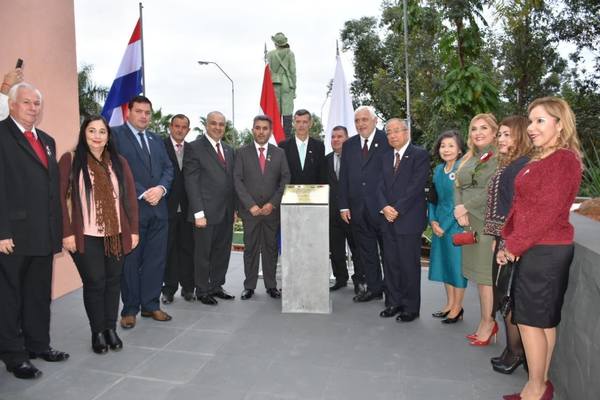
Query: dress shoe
x=99 y=343
x=208 y=300
x=127 y=321
x=337 y=285
x=222 y=294
x=360 y=288
x=440 y=314
x=50 y=355
x=367 y=296
x=157 y=315
x=166 y=298
x=390 y=311
x=188 y=296
x=274 y=293
x=407 y=316
x=508 y=364
x=113 y=340
x=453 y=320
x=485 y=342
x=24 y=370
x=247 y=293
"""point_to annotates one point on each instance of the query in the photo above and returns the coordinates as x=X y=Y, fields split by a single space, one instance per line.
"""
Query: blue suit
x=359 y=180
x=405 y=191
x=144 y=266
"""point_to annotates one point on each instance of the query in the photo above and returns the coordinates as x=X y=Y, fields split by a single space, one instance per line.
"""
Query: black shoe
x=454 y=320
x=274 y=293
x=338 y=285
x=440 y=314
x=208 y=300
x=50 y=355
x=367 y=296
x=360 y=287
x=99 y=343
x=509 y=364
x=390 y=311
x=188 y=296
x=407 y=316
x=24 y=370
x=113 y=340
x=496 y=360
x=166 y=298
x=247 y=293
x=222 y=294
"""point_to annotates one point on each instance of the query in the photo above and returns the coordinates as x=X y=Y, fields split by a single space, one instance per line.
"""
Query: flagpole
x=408 y=116
x=142 y=45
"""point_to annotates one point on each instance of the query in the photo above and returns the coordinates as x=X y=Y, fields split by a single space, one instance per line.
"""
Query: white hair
x=12 y=93
x=369 y=109
x=402 y=121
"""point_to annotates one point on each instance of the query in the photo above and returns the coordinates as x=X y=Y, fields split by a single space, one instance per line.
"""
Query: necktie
x=179 y=154
x=220 y=155
x=145 y=149
x=336 y=165
x=365 y=149
x=302 y=154
x=261 y=159
x=396 y=162
x=37 y=147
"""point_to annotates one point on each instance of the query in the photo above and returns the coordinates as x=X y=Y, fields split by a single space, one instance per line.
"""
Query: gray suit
x=209 y=187
x=255 y=188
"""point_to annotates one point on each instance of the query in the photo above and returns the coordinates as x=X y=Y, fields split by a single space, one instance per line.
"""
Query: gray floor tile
x=205 y=342
x=237 y=372
x=137 y=389
x=345 y=384
x=152 y=336
x=219 y=321
x=299 y=380
x=205 y=392
x=118 y=362
x=176 y=367
x=72 y=384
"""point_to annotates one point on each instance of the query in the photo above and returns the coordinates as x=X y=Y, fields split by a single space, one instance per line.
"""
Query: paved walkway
x=249 y=350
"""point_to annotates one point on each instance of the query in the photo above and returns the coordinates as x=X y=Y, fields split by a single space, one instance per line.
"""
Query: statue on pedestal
x=283 y=72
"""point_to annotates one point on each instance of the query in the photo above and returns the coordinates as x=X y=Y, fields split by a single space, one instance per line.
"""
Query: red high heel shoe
x=548 y=393
x=514 y=396
x=471 y=336
x=481 y=343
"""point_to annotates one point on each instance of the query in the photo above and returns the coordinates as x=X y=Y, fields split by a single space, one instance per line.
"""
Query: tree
x=159 y=123
x=90 y=94
x=232 y=136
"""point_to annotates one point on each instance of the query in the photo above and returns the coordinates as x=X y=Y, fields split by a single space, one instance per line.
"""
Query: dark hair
x=340 y=128
x=452 y=133
x=302 y=112
x=521 y=143
x=80 y=164
x=139 y=99
x=180 y=116
x=263 y=118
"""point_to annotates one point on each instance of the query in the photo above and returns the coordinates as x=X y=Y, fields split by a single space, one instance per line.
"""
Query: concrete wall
x=575 y=369
x=42 y=33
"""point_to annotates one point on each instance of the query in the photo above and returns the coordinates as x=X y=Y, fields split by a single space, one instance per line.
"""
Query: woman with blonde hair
x=472 y=177
x=539 y=236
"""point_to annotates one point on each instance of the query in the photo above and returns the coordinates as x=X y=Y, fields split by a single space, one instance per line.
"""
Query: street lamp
x=232 y=88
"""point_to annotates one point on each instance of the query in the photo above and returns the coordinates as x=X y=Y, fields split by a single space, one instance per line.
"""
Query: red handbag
x=464 y=238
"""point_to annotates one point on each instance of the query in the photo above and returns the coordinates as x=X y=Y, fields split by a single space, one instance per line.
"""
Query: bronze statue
x=283 y=72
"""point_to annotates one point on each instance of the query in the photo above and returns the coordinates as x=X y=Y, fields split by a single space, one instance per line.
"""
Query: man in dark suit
x=180 y=243
x=152 y=170
x=339 y=231
x=30 y=234
x=305 y=155
x=360 y=174
x=208 y=172
x=261 y=173
x=401 y=200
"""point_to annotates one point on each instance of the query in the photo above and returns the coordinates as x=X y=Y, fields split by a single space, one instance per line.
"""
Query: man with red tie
x=30 y=234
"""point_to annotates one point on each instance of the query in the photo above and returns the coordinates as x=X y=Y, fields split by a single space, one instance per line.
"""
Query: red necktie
x=365 y=149
x=220 y=155
x=37 y=147
x=261 y=159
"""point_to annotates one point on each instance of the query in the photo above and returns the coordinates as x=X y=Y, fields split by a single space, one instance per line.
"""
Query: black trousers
x=180 y=256
x=339 y=233
x=101 y=276
x=402 y=268
x=25 y=293
x=369 y=239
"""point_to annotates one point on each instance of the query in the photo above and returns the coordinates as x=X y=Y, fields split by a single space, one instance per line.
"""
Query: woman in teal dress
x=445 y=258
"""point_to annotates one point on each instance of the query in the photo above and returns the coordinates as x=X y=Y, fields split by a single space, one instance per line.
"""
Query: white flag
x=341 y=111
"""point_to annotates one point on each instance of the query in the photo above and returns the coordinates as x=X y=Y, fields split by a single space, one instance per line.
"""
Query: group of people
x=142 y=216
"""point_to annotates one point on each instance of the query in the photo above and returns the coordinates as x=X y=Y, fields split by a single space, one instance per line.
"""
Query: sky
x=232 y=33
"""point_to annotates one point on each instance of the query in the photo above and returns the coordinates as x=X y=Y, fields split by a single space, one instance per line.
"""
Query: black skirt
x=540 y=284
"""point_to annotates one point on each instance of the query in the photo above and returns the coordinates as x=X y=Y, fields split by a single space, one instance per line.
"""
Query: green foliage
x=232 y=136
x=590 y=186
x=91 y=96
x=159 y=123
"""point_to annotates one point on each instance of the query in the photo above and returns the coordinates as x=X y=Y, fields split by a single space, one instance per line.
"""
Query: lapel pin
x=48 y=151
x=376 y=144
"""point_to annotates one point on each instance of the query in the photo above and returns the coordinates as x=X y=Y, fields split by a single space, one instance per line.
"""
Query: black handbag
x=504 y=283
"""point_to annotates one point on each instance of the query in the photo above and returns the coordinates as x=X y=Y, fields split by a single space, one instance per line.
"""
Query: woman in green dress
x=472 y=176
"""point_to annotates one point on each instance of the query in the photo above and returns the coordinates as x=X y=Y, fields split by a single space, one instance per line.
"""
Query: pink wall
x=42 y=33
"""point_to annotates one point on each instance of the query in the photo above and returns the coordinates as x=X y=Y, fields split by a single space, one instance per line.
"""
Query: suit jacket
x=405 y=191
x=359 y=176
x=176 y=197
x=159 y=173
x=255 y=188
x=334 y=187
x=209 y=184
x=30 y=211
x=315 y=167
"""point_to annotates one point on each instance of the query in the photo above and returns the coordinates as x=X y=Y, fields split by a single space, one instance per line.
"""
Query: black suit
x=30 y=214
x=340 y=232
x=315 y=167
x=180 y=243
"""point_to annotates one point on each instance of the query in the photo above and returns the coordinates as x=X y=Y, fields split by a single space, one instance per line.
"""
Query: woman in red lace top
x=538 y=234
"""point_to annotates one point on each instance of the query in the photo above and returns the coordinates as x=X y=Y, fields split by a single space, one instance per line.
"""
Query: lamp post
x=232 y=88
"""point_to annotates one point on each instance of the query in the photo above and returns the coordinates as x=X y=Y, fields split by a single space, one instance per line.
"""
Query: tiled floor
x=249 y=350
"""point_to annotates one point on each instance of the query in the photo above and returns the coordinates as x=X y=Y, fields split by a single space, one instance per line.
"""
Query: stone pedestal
x=305 y=249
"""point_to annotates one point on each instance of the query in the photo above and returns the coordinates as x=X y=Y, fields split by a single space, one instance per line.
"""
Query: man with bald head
x=30 y=233
x=360 y=174
x=208 y=174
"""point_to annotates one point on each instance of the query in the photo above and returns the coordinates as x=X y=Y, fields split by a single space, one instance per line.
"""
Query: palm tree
x=91 y=96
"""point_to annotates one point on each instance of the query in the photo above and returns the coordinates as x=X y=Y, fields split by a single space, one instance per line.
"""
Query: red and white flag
x=268 y=104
